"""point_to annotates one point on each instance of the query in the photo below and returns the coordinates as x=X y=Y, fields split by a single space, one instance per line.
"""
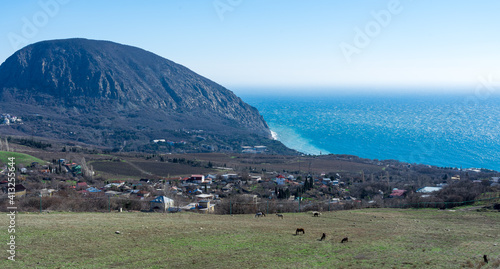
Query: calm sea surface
x=451 y=131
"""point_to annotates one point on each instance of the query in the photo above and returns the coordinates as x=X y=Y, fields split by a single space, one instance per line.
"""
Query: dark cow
x=323 y=237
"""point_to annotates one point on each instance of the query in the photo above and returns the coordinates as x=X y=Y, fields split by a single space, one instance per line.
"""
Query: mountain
x=113 y=95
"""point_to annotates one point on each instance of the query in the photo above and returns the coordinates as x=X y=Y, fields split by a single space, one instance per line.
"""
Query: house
x=191 y=206
x=93 y=190
x=204 y=197
x=84 y=192
x=229 y=176
x=256 y=178
x=174 y=189
x=205 y=207
x=428 y=189
x=280 y=180
x=81 y=185
x=20 y=190
x=198 y=191
x=136 y=184
x=199 y=179
x=77 y=169
x=47 y=192
x=247 y=149
x=116 y=183
x=112 y=193
x=397 y=193
x=227 y=188
x=260 y=149
x=212 y=177
x=161 y=203
x=335 y=200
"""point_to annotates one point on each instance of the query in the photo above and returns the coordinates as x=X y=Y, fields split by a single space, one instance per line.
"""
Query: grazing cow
x=485 y=257
x=344 y=240
x=280 y=216
x=323 y=237
x=299 y=230
x=260 y=214
x=316 y=214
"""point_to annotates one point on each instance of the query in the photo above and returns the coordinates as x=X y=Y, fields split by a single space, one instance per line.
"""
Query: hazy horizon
x=377 y=46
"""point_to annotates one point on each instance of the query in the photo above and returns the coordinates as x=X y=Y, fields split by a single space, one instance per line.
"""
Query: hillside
x=20 y=158
x=378 y=238
x=112 y=95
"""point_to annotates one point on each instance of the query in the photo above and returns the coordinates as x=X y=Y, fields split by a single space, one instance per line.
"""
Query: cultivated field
x=378 y=238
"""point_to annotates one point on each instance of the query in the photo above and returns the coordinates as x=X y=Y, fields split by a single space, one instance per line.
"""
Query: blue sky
x=285 y=44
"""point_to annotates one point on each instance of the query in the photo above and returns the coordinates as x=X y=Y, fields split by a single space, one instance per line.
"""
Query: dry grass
x=378 y=238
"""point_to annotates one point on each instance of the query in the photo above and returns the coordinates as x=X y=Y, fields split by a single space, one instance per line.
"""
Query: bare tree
x=86 y=171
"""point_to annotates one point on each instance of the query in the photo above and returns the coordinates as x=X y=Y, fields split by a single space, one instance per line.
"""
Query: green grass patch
x=20 y=158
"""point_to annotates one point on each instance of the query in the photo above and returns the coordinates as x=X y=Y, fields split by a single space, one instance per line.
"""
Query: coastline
x=410 y=129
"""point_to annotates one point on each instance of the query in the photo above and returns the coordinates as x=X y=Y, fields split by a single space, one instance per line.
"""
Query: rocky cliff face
x=89 y=90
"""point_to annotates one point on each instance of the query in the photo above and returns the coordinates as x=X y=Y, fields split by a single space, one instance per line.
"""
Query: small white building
x=229 y=176
x=260 y=149
x=256 y=178
x=162 y=203
x=199 y=179
x=428 y=189
x=204 y=197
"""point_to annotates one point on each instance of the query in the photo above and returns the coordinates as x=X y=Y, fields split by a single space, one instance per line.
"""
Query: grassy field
x=378 y=238
x=21 y=158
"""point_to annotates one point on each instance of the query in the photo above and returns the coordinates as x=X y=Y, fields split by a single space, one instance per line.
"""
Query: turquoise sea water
x=451 y=131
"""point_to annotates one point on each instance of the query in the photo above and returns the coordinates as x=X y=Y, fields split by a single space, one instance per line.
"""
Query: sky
x=332 y=45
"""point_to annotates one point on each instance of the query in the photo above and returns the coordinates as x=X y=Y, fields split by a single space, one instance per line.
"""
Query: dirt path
x=139 y=169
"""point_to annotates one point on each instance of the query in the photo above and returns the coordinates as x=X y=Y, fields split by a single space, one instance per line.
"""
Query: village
x=7 y=119
x=66 y=185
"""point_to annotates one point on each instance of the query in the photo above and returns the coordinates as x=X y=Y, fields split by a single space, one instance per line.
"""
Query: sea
x=461 y=131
